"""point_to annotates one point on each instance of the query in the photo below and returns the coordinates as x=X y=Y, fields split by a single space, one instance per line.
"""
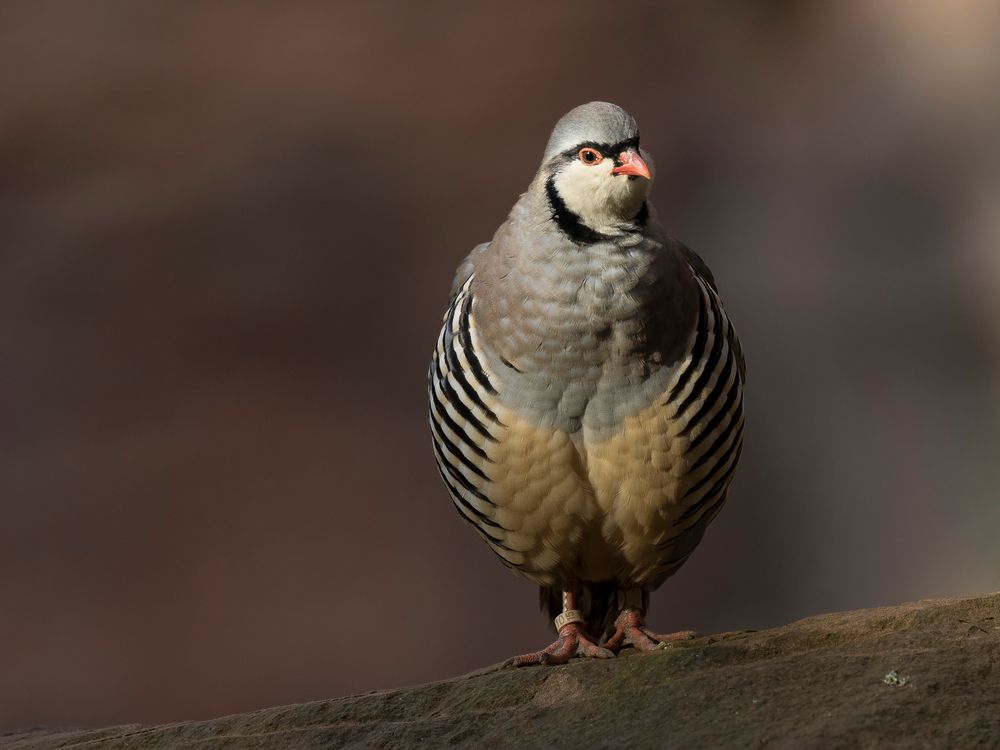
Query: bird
x=585 y=392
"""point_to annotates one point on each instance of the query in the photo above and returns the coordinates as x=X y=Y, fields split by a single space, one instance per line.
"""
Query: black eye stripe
x=607 y=150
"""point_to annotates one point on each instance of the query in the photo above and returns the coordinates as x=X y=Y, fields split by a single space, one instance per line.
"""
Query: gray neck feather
x=593 y=330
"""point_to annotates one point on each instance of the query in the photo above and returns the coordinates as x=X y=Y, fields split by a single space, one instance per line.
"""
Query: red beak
x=632 y=164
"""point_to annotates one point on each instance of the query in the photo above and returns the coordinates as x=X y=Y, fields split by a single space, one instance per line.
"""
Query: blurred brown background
x=227 y=231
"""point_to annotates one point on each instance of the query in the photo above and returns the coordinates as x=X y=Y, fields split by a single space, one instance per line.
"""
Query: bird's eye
x=590 y=156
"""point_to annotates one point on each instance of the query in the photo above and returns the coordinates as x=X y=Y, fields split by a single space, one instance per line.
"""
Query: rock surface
x=921 y=675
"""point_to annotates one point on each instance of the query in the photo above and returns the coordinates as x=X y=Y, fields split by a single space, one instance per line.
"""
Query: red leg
x=572 y=640
x=630 y=630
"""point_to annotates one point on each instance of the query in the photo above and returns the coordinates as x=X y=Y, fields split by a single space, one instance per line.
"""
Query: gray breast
x=585 y=336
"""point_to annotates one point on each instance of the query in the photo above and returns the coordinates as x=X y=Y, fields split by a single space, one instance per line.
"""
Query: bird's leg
x=630 y=627
x=572 y=640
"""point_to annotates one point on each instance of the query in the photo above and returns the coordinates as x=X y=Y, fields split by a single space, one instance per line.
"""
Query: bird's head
x=594 y=168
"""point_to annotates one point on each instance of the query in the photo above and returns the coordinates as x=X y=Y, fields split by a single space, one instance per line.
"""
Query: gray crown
x=595 y=121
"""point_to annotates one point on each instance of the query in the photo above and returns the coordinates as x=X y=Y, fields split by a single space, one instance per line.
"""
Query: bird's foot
x=630 y=630
x=572 y=642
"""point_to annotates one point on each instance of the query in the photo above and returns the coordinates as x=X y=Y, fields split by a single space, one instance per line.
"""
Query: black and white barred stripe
x=707 y=399
x=463 y=423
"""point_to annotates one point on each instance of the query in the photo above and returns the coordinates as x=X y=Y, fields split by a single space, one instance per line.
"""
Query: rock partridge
x=586 y=390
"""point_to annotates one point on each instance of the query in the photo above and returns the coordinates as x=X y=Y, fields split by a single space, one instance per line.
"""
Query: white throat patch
x=605 y=202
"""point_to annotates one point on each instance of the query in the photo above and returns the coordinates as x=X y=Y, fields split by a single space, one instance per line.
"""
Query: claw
x=572 y=641
x=630 y=630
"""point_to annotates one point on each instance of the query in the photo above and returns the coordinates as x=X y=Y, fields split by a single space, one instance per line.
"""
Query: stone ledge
x=821 y=682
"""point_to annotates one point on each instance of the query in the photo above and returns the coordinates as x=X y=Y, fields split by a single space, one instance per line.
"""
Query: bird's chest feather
x=571 y=408
x=581 y=341
x=601 y=382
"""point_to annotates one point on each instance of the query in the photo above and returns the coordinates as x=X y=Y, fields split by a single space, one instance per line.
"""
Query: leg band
x=568 y=616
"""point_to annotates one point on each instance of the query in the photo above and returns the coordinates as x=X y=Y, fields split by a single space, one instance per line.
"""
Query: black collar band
x=571 y=225
x=568 y=221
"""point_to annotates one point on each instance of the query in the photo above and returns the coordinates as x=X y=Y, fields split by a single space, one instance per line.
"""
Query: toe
x=642 y=641
x=680 y=635
x=555 y=659
x=616 y=641
x=594 y=651
x=561 y=651
x=527 y=660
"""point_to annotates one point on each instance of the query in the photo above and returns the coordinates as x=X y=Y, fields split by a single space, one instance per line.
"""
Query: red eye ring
x=590 y=156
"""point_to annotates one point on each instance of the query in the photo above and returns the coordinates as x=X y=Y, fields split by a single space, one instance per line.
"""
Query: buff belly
x=575 y=505
x=610 y=475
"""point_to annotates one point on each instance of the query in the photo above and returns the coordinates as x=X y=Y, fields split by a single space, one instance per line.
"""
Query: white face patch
x=605 y=202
